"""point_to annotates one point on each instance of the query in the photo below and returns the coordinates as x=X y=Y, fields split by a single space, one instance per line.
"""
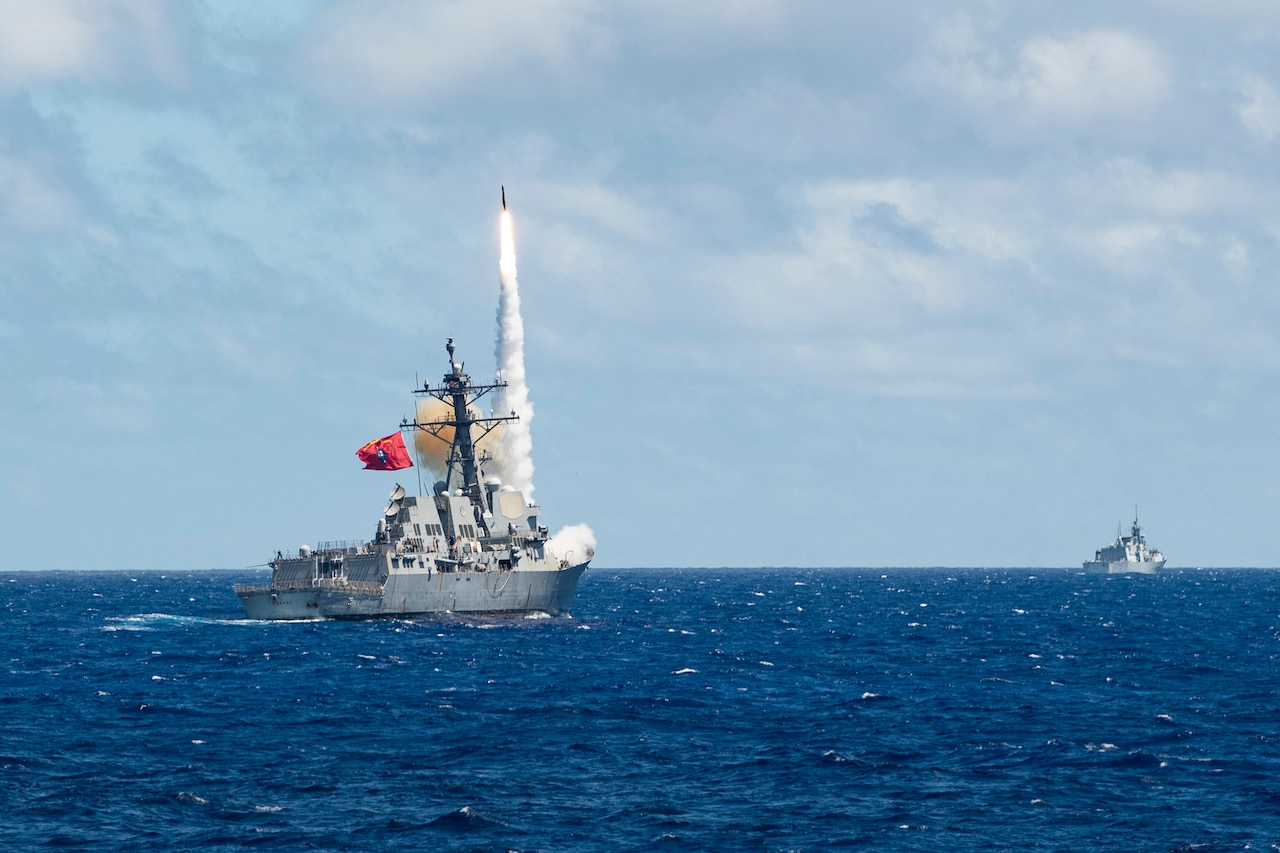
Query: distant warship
x=1127 y=554
x=473 y=547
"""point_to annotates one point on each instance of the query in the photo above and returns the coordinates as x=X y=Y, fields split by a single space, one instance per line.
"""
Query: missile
x=504 y=198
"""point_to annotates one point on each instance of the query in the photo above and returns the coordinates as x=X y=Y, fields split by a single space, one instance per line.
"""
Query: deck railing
x=350 y=547
x=323 y=584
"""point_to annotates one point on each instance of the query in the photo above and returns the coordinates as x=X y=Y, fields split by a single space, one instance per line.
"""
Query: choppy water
x=772 y=709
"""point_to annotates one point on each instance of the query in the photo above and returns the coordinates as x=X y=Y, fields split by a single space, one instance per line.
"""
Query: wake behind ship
x=475 y=546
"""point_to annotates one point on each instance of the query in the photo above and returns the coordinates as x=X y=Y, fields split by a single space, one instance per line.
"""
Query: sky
x=804 y=283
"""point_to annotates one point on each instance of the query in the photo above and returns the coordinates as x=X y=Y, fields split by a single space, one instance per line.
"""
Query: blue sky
x=804 y=283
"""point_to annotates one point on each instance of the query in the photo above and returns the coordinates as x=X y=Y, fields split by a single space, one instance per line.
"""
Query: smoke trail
x=514 y=455
x=574 y=543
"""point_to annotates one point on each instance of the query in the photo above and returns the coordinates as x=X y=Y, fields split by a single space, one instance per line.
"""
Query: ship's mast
x=458 y=392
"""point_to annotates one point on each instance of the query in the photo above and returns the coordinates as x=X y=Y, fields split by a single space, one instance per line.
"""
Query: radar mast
x=459 y=394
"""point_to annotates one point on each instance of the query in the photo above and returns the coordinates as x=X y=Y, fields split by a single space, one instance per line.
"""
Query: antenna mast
x=458 y=392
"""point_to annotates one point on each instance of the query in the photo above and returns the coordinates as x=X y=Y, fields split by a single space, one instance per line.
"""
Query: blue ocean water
x=676 y=710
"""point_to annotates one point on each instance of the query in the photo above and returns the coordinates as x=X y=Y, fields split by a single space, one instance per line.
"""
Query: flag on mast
x=385 y=454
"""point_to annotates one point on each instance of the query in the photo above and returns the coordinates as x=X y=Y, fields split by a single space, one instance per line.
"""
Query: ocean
x=677 y=709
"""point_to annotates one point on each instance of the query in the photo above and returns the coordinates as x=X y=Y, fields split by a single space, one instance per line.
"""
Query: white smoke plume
x=575 y=543
x=513 y=458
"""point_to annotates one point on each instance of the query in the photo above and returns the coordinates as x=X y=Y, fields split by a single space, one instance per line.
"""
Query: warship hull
x=473 y=546
x=1128 y=555
x=1123 y=567
x=490 y=593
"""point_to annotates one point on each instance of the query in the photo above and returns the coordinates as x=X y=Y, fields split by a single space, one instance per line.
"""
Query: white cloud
x=1256 y=15
x=734 y=14
x=31 y=199
x=607 y=208
x=1076 y=79
x=969 y=287
x=126 y=336
x=918 y=205
x=894 y=283
x=1130 y=247
x=1093 y=75
x=27 y=487
x=1235 y=256
x=1124 y=185
x=403 y=50
x=680 y=26
x=249 y=357
x=44 y=40
x=125 y=407
x=1260 y=113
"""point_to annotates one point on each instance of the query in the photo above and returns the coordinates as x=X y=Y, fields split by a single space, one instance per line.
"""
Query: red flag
x=385 y=454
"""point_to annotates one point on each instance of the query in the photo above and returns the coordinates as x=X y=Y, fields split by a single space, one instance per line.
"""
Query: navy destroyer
x=475 y=546
x=1128 y=554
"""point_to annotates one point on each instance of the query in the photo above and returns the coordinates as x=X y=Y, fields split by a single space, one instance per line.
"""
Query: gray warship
x=473 y=547
x=1128 y=554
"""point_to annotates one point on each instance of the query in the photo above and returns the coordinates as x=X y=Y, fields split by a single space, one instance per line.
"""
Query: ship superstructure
x=474 y=546
x=1128 y=554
